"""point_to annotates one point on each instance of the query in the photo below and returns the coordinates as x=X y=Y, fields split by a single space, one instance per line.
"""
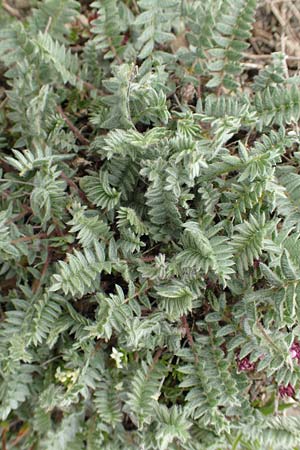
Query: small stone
x=187 y=92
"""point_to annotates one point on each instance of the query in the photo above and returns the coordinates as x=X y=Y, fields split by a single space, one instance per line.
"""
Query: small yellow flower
x=117 y=356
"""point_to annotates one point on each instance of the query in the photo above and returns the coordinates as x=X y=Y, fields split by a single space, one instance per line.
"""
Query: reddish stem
x=189 y=336
x=74 y=186
x=37 y=283
x=30 y=238
x=72 y=127
x=3 y=439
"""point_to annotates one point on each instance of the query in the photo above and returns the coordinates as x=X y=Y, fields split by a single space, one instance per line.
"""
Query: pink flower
x=295 y=351
x=244 y=365
x=288 y=390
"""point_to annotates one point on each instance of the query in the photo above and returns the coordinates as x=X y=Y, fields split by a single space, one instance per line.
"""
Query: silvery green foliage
x=149 y=247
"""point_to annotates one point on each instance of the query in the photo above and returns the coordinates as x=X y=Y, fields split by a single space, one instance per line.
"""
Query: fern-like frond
x=17 y=44
x=276 y=432
x=47 y=198
x=45 y=315
x=248 y=241
x=176 y=299
x=15 y=388
x=106 y=28
x=204 y=254
x=144 y=393
x=288 y=200
x=38 y=157
x=7 y=249
x=272 y=75
x=172 y=425
x=277 y=105
x=232 y=30
x=155 y=30
x=81 y=274
x=107 y=403
x=127 y=217
x=89 y=228
x=201 y=19
x=113 y=313
x=162 y=204
x=58 y=58
x=123 y=175
x=54 y=15
x=99 y=191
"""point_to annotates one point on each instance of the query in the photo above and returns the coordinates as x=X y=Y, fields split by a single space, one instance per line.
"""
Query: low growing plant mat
x=149 y=225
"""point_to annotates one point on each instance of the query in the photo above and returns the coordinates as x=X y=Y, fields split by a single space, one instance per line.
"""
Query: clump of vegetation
x=149 y=229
